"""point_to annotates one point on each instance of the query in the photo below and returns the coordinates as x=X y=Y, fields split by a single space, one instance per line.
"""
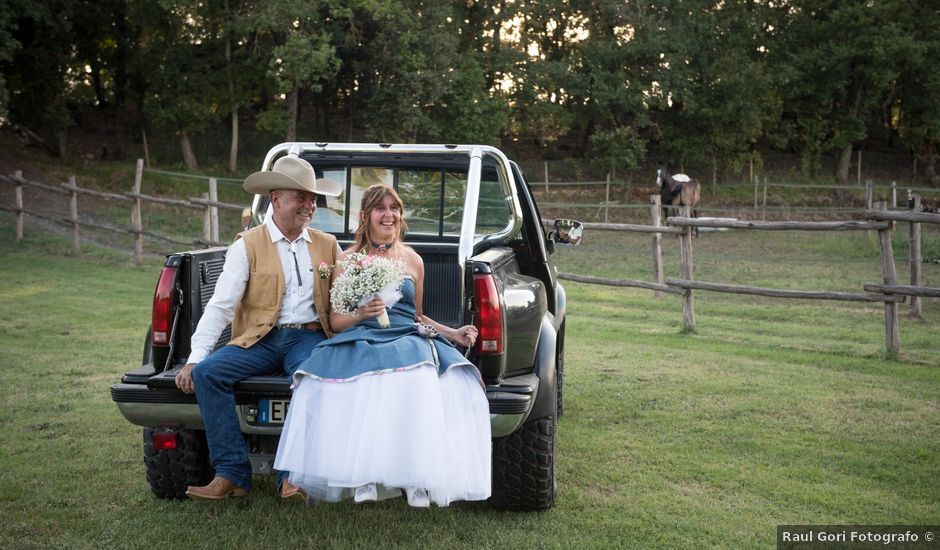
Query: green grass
x=773 y=412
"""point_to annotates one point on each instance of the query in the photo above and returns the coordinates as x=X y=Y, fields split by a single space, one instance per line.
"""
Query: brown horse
x=677 y=190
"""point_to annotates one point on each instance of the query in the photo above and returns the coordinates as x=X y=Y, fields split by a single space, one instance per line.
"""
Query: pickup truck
x=472 y=218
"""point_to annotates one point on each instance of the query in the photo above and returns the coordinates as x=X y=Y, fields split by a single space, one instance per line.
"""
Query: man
x=279 y=311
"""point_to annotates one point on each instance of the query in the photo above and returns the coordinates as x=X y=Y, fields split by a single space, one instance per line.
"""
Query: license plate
x=272 y=411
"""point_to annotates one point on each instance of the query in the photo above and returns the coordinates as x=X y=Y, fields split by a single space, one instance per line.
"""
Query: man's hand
x=184 y=379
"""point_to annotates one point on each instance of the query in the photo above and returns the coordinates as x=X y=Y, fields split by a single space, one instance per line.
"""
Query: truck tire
x=524 y=467
x=560 y=371
x=170 y=472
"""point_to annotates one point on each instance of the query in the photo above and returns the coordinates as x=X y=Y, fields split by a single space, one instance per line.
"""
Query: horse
x=677 y=190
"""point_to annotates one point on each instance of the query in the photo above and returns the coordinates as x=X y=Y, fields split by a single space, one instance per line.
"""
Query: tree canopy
x=715 y=81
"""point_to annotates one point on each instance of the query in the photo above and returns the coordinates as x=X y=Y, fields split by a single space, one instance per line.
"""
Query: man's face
x=293 y=210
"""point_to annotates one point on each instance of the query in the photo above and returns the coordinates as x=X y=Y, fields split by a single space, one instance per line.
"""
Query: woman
x=379 y=411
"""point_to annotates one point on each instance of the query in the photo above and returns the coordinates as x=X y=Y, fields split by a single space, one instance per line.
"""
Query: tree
x=8 y=45
x=295 y=39
x=616 y=88
x=540 y=37
x=37 y=71
x=837 y=62
x=470 y=112
x=915 y=110
x=182 y=56
x=409 y=70
x=713 y=68
x=240 y=74
x=619 y=148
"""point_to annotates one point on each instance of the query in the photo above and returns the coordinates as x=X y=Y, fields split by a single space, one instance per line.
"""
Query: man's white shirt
x=296 y=307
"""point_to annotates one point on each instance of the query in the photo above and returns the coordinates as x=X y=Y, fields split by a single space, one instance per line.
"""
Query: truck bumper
x=510 y=404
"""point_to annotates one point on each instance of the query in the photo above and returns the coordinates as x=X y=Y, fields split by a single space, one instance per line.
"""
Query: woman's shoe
x=366 y=493
x=292 y=492
x=418 y=498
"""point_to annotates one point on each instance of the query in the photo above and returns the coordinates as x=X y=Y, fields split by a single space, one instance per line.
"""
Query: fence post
x=756 y=194
x=916 y=259
x=894 y=194
x=136 y=217
x=858 y=169
x=545 y=162
x=607 y=198
x=73 y=212
x=207 y=222
x=688 y=305
x=20 y=214
x=868 y=198
x=763 y=215
x=143 y=135
x=890 y=277
x=214 y=210
x=655 y=212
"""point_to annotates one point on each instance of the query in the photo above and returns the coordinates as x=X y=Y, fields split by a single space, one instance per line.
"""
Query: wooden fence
x=878 y=219
x=208 y=203
x=760 y=207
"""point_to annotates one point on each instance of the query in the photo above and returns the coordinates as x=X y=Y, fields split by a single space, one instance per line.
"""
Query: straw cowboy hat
x=291 y=173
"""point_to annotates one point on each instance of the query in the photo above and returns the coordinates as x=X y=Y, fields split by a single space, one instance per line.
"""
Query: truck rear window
x=433 y=198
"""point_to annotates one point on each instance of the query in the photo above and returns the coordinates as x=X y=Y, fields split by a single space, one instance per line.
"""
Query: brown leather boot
x=219 y=489
x=292 y=492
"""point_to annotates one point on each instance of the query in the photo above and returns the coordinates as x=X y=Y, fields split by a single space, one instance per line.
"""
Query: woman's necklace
x=382 y=247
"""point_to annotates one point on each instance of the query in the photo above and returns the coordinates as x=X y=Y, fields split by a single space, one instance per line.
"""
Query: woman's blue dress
x=388 y=406
x=366 y=349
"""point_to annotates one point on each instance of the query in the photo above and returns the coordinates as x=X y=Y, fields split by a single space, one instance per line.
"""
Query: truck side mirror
x=567 y=232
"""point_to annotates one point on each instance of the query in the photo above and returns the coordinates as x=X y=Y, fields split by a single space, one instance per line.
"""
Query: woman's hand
x=372 y=309
x=465 y=335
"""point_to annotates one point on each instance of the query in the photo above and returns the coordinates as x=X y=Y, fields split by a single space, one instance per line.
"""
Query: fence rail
x=781 y=293
x=759 y=210
x=681 y=221
x=619 y=282
x=877 y=218
x=889 y=292
x=209 y=204
x=633 y=228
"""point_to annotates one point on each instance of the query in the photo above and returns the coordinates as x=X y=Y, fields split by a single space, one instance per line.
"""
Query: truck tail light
x=163 y=440
x=489 y=318
x=162 y=320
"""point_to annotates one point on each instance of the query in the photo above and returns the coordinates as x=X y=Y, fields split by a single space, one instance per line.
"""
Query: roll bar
x=468 y=241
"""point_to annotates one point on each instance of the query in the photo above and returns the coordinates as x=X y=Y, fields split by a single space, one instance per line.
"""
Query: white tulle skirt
x=405 y=429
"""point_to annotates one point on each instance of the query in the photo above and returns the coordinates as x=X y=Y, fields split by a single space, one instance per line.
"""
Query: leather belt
x=312 y=325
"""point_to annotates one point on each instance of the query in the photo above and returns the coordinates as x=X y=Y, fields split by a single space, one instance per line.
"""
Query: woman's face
x=385 y=221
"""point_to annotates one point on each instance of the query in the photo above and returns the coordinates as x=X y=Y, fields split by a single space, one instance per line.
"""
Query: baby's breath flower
x=363 y=276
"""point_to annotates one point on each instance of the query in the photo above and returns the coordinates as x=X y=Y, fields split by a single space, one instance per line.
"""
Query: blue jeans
x=215 y=378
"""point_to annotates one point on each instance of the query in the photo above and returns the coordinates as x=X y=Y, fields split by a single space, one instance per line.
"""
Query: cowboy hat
x=291 y=173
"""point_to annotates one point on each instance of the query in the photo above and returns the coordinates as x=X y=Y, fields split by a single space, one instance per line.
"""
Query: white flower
x=362 y=277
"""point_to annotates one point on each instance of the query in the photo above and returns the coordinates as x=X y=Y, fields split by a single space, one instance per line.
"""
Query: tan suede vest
x=260 y=307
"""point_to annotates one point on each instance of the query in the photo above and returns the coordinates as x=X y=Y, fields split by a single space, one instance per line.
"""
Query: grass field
x=774 y=412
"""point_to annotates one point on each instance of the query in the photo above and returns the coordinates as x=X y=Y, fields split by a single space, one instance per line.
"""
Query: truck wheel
x=524 y=467
x=560 y=370
x=170 y=472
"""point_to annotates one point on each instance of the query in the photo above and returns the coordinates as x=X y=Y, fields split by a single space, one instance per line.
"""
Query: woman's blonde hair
x=371 y=199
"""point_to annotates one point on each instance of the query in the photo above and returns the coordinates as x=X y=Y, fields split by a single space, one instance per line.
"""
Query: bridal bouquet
x=365 y=277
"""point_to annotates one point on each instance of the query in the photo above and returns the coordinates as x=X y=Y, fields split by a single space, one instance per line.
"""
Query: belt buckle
x=290 y=325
